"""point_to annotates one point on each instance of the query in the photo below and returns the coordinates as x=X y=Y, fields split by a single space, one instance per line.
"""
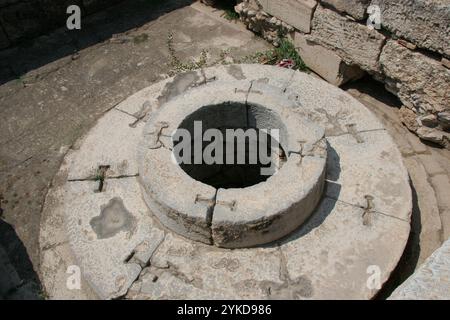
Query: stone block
x=426 y=23
x=441 y=185
x=353 y=42
x=297 y=13
x=325 y=62
x=350 y=162
x=356 y=8
x=430 y=281
x=419 y=81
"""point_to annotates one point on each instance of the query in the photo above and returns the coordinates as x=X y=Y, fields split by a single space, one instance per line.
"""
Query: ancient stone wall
x=409 y=51
x=27 y=19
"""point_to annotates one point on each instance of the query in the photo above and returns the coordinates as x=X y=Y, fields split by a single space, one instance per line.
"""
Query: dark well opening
x=230 y=145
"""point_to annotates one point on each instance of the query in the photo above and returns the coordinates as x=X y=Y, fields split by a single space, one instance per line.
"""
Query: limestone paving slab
x=105 y=229
x=112 y=142
x=334 y=255
x=369 y=173
x=335 y=111
x=202 y=272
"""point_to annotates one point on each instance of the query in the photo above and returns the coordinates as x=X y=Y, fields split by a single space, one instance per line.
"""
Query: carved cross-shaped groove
x=154 y=136
x=141 y=114
x=232 y=205
x=368 y=210
x=352 y=130
x=101 y=176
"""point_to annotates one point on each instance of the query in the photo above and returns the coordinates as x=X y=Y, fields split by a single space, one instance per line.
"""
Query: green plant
x=287 y=50
x=230 y=14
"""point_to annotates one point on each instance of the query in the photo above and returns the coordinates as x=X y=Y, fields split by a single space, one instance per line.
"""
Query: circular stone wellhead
x=204 y=202
x=326 y=203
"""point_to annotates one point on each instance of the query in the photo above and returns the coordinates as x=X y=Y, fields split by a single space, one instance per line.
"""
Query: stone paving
x=46 y=109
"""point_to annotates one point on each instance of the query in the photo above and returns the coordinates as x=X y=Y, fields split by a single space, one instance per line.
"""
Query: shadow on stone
x=95 y=28
x=18 y=280
x=408 y=261
x=331 y=191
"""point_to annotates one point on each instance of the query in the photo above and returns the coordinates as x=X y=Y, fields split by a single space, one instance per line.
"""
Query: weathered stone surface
x=337 y=112
x=268 y=211
x=312 y=263
x=408 y=118
x=424 y=22
x=232 y=73
x=354 y=173
x=354 y=42
x=429 y=120
x=141 y=104
x=106 y=259
x=297 y=13
x=420 y=82
x=355 y=8
x=313 y=259
x=325 y=62
x=444 y=119
x=430 y=281
x=430 y=222
x=174 y=197
x=57 y=263
x=182 y=269
x=445 y=62
x=434 y=135
x=112 y=142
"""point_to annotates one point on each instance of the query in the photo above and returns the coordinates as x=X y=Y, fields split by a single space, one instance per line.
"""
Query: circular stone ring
x=232 y=217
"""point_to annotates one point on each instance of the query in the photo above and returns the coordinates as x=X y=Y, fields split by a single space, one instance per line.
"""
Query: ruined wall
x=409 y=52
x=27 y=19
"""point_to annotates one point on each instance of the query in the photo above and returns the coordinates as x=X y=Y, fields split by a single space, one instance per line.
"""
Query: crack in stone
x=123 y=176
x=352 y=130
x=129 y=259
x=363 y=207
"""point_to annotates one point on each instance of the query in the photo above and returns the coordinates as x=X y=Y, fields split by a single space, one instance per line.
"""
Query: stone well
x=140 y=226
